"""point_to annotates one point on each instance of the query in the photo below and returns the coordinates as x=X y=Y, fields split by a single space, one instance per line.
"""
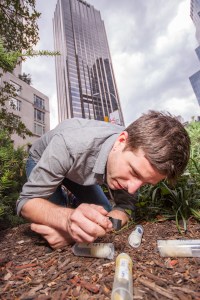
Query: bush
x=12 y=178
x=176 y=202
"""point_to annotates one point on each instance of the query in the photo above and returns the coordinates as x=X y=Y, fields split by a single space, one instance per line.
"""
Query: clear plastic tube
x=123 y=280
x=179 y=248
x=99 y=250
x=135 y=237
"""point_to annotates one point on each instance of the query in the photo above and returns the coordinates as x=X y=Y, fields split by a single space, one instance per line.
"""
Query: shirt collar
x=100 y=164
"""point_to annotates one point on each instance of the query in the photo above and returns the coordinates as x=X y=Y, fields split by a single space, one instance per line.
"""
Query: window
x=17 y=87
x=39 y=129
x=39 y=102
x=15 y=104
x=38 y=116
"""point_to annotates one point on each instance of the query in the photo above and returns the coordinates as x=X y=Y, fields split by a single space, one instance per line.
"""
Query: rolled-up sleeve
x=48 y=173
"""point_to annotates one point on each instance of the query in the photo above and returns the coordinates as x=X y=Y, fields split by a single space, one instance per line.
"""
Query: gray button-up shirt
x=76 y=149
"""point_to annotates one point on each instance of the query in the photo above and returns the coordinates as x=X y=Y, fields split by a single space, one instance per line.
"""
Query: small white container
x=99 y=250
x=179 y=248
x=123 y=280
x=135 y=237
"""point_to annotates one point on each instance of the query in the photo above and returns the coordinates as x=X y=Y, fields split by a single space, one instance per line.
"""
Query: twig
x=186 y=290
x=158 y=289
x=154 y=277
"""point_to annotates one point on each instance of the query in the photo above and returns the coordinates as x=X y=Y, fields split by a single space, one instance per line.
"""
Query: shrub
x=12 y=178
x=180 y=201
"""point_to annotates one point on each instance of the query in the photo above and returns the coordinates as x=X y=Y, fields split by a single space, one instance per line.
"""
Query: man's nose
x=134 y=185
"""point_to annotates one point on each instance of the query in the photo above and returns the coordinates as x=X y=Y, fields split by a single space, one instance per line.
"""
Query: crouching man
x=83 y=154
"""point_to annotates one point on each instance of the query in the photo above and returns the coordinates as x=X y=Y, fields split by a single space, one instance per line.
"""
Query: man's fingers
x=87 y=232
x=99 y=208
x=94 y=213
x=55 y=238
x=41 y=229
x=80 y=236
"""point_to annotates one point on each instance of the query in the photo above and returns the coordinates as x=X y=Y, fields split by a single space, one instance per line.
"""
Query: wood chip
x=158 y=289
x=186 y=290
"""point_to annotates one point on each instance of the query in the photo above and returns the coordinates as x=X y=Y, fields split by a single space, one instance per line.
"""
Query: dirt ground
x=29 y=269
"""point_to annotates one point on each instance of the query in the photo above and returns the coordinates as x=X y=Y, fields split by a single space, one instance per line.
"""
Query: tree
x=12 y=178
x=18 y=35
x=18 y=24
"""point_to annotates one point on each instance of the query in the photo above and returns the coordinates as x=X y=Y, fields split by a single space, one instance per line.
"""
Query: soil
x=29 y=269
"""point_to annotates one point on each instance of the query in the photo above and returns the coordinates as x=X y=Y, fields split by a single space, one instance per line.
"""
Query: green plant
x=177 y=202
x=12 y=176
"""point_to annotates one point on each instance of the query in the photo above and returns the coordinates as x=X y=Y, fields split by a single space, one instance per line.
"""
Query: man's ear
x=120 y=141
x=123 y=137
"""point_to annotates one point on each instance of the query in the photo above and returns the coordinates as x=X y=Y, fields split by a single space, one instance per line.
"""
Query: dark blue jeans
x=84 y=194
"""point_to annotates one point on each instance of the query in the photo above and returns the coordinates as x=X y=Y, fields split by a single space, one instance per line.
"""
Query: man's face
x=129 y=170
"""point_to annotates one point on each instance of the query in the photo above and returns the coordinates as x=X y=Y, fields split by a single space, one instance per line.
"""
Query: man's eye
x=133 y=172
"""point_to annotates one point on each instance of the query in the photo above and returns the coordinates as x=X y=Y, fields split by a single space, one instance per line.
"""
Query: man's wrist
x=65 y=214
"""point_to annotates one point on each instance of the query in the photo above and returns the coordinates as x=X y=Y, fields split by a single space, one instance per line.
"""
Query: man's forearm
x=41 y=211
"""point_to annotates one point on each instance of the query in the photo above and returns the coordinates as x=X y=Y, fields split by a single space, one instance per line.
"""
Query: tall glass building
x=195 y=15
x=86 y=84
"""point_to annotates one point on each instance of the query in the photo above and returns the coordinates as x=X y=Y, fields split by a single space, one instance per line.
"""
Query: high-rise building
x=195 y=15
x=30 y=105
x=86 y=84
x=195 y=82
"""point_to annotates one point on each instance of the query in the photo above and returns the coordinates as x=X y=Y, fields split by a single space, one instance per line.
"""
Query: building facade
x=195 y=82
x=30 y=105
x=195 y=16
x=86 y=85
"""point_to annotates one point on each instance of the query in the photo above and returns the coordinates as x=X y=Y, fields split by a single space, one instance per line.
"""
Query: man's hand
x=84 y=224
x=55 y=238
x=88 y=222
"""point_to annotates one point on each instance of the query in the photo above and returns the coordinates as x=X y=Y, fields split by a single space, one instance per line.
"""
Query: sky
x=152 y=45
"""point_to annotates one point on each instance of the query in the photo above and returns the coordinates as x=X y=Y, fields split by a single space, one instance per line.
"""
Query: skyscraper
x=195 y=15
x=86 y=84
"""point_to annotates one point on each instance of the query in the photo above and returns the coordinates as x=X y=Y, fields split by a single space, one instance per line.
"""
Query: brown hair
x=163 y=139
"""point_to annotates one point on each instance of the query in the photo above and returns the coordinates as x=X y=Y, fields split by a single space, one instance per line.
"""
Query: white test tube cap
x=135 y=237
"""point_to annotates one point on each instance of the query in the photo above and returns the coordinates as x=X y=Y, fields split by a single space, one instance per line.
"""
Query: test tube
x=123 y=280
x=179 y=248
x=99 y=250
x=135 y=237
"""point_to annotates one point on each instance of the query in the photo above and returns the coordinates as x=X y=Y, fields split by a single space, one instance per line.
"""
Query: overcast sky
x=152 y=45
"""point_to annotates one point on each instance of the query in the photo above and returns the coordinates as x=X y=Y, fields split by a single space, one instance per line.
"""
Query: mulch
x=29 y=269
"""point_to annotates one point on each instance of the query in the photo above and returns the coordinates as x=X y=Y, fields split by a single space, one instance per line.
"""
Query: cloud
x=152 y=47
x=152 y=70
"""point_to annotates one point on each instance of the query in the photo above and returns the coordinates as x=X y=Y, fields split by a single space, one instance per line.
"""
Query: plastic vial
x=99 y=250
x=123 y=280
x=179 y=248
x=135 y=237
x=117 y=223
